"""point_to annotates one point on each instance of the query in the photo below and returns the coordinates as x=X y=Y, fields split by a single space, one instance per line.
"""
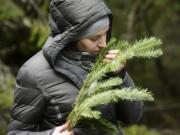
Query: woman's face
x=94 y=43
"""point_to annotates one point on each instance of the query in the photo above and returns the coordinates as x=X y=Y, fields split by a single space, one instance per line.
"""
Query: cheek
x=90 y=46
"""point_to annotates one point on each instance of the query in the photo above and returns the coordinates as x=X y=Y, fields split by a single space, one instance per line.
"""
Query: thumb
x=64 y=127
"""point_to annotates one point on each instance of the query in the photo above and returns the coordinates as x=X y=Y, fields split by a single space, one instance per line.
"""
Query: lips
x=95 y=52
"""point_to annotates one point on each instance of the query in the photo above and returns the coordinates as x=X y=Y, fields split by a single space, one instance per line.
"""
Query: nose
x=102 y=42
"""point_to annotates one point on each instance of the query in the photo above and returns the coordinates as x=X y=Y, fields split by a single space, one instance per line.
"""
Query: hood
x=67 y=19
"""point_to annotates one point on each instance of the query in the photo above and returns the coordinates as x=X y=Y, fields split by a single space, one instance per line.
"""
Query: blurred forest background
x=24 y=29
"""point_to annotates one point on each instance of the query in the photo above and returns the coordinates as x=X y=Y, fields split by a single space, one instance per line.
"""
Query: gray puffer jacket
x=47 y=85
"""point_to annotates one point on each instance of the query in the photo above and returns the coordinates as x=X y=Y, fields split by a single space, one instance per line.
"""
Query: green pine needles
x=97 y=90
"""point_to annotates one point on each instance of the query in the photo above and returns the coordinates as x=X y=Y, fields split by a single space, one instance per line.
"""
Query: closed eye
x=95 y=38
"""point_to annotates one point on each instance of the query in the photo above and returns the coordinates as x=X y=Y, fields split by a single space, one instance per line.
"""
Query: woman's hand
x=62 y=130
x=111 y=55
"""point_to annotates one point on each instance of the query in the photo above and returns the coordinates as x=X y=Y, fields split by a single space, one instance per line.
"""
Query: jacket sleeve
x=28 y=105
x=129 y=112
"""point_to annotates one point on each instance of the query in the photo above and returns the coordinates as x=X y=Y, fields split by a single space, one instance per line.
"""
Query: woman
x=48 y=83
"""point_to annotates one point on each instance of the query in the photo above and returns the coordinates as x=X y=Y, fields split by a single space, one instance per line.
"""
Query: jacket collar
x=74 y=72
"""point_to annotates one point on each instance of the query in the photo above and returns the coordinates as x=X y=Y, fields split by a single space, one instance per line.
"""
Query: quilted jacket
x=47 y=84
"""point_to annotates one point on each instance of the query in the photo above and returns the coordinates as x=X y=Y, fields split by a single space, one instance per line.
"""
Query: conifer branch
x=117 y=95
x=106 y=126
x=97 y=90
x=104 y=85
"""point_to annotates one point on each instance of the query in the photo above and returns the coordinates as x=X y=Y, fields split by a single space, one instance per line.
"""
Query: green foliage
x=9 y=10
x=39 y=33
x=6 y=96
x=132 y=20
x=96 y=92
x=6 y=86
x=140 y=130
x=24 y=29
x=143 y=48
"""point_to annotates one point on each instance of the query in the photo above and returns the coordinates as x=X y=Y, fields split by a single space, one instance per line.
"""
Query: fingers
x=68 y=133
x=57 y=131
x=113 y=51
x=111 y=55
x=62 y=130
x=64 y=127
